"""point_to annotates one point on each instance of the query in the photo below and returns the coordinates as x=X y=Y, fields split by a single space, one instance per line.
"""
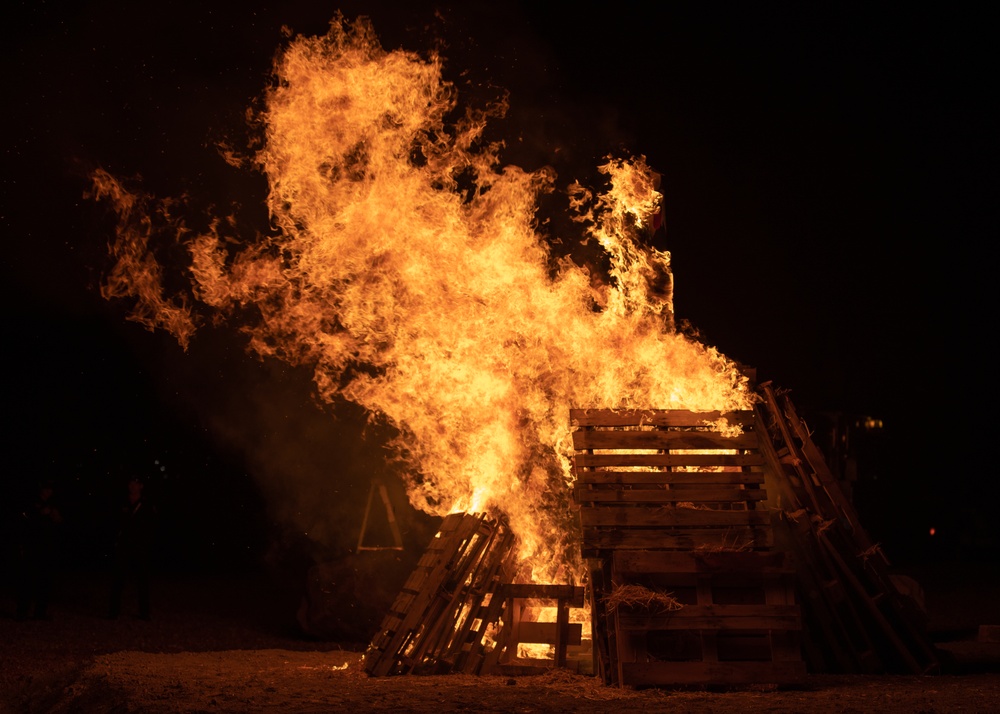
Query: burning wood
x=439 y=308
x=459 y=611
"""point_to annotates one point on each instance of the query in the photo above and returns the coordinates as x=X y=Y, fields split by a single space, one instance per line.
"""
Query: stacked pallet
x=686 y=588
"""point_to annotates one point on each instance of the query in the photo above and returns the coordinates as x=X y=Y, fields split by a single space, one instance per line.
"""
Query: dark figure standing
x=37 y=553
x=131 y=551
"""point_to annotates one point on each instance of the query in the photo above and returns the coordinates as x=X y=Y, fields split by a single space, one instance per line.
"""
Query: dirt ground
x=230 y=645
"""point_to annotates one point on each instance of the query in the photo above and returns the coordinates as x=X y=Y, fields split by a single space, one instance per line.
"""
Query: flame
x=405 y=268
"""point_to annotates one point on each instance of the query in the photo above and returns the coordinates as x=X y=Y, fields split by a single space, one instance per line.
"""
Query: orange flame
x=438 y=308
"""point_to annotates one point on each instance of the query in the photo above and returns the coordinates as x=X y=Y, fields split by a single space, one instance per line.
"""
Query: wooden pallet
x=867 y=625
x=662 y=480
x=517 y=629
x=460 y=610
x=669 y=503
x=736 y=622
x=441 y=619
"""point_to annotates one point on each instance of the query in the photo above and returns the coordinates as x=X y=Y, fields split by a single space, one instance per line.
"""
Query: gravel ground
x=230 y=645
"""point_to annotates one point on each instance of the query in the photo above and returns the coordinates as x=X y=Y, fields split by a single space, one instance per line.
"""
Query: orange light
x=439 y=310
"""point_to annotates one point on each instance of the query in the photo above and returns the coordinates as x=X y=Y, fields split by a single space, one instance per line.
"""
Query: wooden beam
x=665 y=516
x=571 y=593
x=672 y=478
x=721 y=618
x=655 y=495
x=593 y=439
x=648 y=562
x=665 y=460
x=732 y=539
x=654 y=417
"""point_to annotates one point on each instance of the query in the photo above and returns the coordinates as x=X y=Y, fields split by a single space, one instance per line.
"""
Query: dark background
x=830 y=185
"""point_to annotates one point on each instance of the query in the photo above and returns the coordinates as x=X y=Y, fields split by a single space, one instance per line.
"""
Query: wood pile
x=670 y=505
x=744 y=529
x=721 y=550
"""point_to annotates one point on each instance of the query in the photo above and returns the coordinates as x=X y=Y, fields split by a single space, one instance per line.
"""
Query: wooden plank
x=562 y=632
x=764 y=564
x=654 y=417
x=665 y=460
x=709 y=638
x=785 y=646
x=571 y=593
x=678 y=539
x=651 y=674
x=546 y=633
x=666 y=516
x=655 y=495
x=671 y=478
x=657 y=439
x=721 y=618
x=542 y=591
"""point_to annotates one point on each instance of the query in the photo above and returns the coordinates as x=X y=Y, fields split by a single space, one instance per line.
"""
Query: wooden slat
x=754 y=564
x=572 y=593
x=671 y=478
x=596 y=539
x=657 y=439
x=664 y=516
x=638 y=674
x=546 y=633
x=721 y=618
x=662 y=460
x=654 y=417
x=655 y=495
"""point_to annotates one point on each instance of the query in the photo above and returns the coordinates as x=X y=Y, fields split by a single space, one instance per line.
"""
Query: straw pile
x=635 y=596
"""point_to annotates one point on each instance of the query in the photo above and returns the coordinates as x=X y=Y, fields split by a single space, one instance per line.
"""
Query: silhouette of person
x=131 y=550
x=37 y=553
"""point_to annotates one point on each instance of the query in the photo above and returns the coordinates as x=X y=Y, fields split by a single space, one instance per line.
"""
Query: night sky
x=830 y=185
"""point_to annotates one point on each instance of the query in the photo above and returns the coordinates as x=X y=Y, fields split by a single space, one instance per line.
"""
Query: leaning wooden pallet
x=832 y=541
x=439 y=619
x=460 y=610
